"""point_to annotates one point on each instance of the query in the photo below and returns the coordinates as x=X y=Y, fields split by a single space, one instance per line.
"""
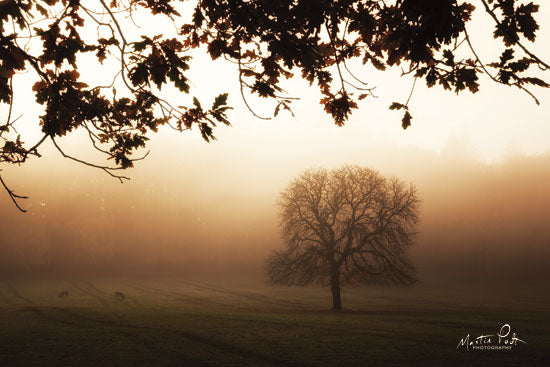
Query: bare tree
x=345 y=226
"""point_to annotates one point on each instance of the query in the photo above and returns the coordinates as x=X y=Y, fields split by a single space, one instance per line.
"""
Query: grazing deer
x=63 y=294
x=119 y=295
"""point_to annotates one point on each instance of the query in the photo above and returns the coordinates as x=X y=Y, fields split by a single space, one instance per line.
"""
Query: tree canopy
x=345 y=226
x=267 y=40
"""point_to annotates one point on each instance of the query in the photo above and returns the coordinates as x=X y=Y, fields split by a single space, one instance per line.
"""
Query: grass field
x=181 y=322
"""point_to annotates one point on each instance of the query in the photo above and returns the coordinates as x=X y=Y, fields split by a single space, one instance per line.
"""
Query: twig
x=516 y=41
x=241 y=83
x=14 y=196
x=103 y=168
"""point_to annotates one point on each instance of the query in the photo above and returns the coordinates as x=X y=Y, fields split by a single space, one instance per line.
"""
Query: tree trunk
x=335 y=288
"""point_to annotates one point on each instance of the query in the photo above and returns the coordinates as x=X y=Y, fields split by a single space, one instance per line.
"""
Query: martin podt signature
x=505 y=339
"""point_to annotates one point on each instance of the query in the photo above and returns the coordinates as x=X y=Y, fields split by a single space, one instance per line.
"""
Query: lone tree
x=345 y=226
x=323 y=41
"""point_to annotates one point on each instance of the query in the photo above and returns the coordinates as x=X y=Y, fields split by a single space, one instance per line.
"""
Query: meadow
x=243 y=322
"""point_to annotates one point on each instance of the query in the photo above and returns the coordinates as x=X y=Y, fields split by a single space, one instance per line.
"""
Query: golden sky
x=186 y=191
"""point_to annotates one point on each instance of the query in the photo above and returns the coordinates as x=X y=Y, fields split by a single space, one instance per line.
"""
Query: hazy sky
x=184 y=193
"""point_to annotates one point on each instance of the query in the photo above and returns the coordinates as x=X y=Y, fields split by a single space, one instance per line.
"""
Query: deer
x=119 y=295
x=63 y=294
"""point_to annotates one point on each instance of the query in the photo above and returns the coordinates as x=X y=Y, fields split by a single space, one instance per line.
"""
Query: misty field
x=246 y=323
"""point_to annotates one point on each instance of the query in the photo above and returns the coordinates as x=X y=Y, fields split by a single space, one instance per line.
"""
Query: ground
x=220 y=322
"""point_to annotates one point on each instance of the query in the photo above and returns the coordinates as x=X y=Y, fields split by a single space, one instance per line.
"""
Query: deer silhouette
x=63 y=294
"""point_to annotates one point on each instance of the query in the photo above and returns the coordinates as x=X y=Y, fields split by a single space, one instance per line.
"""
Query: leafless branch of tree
x=13 y=196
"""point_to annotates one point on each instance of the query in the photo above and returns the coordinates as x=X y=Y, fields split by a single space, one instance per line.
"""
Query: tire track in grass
x=18 y=295
x=100 y=292
x=6 y=299
x=89 y=323
x=40 y=312
x=158 y=292
x=178 y=296
x=81 y=317
x=249 y=295
x=115 y=326
x=221 y=345
x=100 y=299
x=118 y=327
x=93 y=288
x=30 y=305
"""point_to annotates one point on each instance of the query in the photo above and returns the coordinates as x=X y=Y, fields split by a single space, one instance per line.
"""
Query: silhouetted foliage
x=346 y=226
x=268 y=41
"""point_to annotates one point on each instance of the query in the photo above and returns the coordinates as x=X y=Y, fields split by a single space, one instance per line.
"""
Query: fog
x=193 y=208
x=481 y=222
